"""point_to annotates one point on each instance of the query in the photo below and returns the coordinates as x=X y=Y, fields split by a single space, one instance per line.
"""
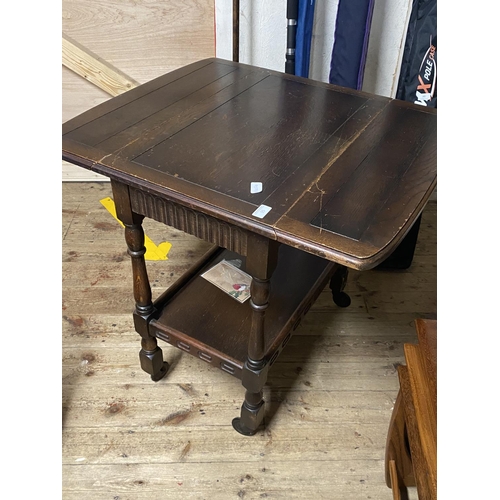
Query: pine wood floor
x=329 y=396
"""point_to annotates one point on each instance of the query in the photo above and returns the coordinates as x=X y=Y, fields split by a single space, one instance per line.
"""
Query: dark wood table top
x=344 y=173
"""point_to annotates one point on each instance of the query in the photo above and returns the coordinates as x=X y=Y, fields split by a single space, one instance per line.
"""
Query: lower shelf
x=204 y=321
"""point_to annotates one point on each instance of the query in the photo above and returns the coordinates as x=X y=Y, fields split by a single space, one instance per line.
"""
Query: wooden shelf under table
x=199 y=318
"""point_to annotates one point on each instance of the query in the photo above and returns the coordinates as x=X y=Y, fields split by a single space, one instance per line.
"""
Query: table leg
x=150 y=356
x=337 y=284
x=262 y=257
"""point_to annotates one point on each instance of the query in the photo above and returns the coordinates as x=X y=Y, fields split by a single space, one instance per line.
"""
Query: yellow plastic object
x=153 y=252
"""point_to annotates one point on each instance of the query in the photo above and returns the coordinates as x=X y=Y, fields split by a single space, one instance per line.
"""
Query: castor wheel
x=162 y=372
x=337 y=283
x=241 y=428
x=341 y=299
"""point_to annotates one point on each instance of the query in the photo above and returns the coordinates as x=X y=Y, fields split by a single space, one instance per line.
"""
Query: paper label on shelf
x=230 y=279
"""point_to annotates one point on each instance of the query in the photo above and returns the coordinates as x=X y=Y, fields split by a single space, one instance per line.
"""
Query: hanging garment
x=417 y=84
x=352 y=31
x=304 y=37
x=418 y=77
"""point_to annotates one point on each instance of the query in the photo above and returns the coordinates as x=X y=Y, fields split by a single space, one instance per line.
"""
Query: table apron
x=190 y=221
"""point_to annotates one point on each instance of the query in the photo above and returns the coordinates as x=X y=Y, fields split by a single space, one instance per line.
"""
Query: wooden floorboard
x=329 y=395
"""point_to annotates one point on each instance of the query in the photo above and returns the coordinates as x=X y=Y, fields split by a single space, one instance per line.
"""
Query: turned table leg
x=262 y=258
x=150 y=356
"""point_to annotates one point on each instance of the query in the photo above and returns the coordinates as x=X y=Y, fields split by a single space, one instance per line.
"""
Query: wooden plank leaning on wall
x=143 y=39
x=94 y=69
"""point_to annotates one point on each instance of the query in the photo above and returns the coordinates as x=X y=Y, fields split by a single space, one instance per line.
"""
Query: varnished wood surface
x=398 y=466
x=396 y=494
x=418 y=381
x=344 y=172
x=223 y=324
x=411 y=450
x=330 y=394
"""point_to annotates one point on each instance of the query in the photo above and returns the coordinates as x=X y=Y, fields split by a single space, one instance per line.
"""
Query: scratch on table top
x=104 y=157
x=321 y=193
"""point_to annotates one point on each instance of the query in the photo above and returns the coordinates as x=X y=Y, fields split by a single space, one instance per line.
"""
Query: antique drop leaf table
x=344 y=175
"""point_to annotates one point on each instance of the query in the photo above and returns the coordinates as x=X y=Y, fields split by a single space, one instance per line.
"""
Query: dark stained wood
x=261 y=262
x=127 y=97
x=345 y=173
x=221 y=325
x=167 y=189
x=146 y=134
x=307 y=174
x=369 y=194
x=143 y=107
x=376 y=178
x=192 y=222
x=150 y=355
x=265 y=146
